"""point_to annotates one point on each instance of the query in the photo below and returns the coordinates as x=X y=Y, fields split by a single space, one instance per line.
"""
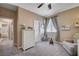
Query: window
x=50 y=26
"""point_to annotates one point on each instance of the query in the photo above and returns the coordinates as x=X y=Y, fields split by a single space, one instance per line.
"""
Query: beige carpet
x=44 y=49
x=7 y=48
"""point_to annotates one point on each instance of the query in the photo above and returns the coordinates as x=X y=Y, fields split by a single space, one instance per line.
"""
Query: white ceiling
x=44 y=11
x=9 y=6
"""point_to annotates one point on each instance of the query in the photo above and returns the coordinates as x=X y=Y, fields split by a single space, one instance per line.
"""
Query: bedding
x=71 y=48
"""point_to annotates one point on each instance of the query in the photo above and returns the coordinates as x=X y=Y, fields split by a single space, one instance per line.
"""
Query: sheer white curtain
x=51 y=30
x=41 y=29
x=50 y=26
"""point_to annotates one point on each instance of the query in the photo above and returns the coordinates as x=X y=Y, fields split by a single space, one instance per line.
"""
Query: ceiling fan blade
x=49 y=6
x=40 y=5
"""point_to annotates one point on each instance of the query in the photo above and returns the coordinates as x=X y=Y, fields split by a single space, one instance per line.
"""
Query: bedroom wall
x=27 y=18
x=68 y=18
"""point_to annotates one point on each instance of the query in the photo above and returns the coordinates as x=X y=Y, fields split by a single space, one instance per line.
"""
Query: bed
x=71 y=48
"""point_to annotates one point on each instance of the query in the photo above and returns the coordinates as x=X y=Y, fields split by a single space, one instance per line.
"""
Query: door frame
x=13 y=27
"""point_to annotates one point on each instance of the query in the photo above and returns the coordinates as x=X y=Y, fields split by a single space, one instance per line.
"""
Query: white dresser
x=28 y=39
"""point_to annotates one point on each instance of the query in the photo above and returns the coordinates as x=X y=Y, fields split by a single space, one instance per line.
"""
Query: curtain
x=41 y=29
x=45 y=28
x=54 y=21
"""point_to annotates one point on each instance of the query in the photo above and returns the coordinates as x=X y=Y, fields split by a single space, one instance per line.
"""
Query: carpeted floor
x=44 y=49
x=7 y=48
x=40 y=49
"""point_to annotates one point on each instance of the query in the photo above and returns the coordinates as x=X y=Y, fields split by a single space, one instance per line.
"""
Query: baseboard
x=18 y=47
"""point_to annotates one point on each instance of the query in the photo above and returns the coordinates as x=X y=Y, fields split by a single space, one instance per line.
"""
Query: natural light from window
x=50 y=27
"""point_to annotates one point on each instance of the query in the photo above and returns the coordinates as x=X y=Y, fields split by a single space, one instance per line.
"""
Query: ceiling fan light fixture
x=49 y=6
x=40 y=5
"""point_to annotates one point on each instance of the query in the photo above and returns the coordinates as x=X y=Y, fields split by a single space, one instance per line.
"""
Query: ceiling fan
x=49 y=5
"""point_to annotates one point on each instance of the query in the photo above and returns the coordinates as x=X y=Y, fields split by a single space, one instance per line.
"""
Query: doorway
x=6 y=36
x=37 y=30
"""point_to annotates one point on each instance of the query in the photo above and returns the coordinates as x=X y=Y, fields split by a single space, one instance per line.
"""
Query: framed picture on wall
x=66 y=27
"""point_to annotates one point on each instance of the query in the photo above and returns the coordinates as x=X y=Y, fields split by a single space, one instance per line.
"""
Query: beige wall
x=68 y=18
x=6 y=13
x=27 y=18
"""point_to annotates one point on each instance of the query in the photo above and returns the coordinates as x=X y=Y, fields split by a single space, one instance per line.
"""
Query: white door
x=37 y=30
